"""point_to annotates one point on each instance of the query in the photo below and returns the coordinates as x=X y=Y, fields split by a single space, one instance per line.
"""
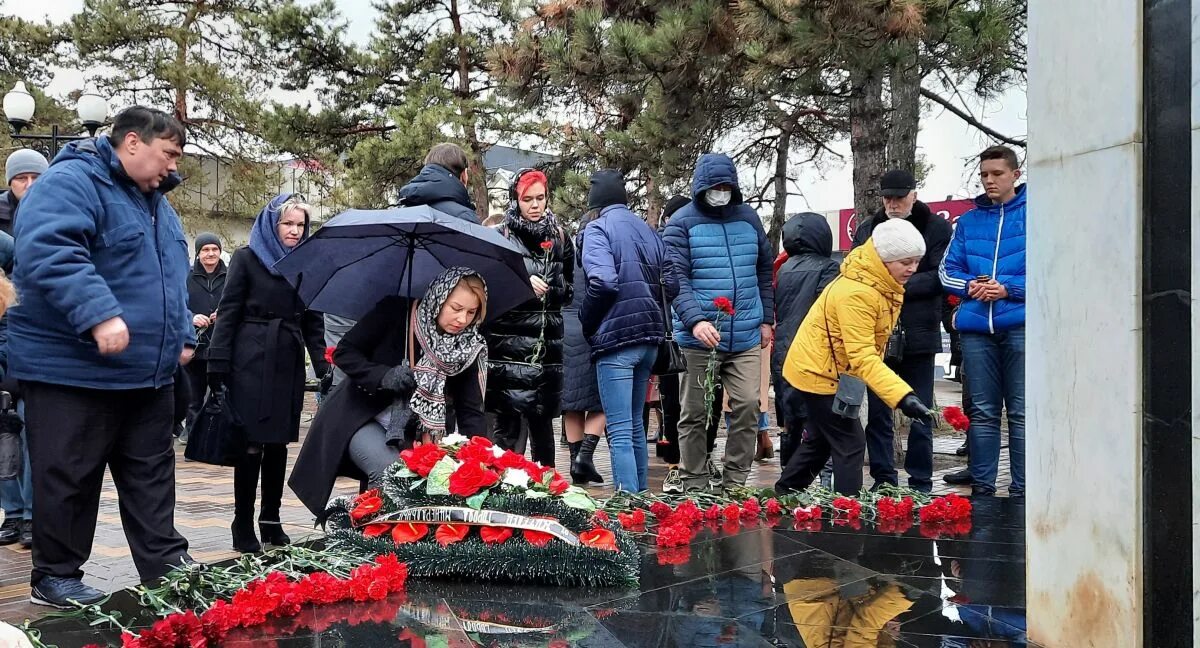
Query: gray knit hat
x=24 y=161
x=207 y=238
x=897 y=239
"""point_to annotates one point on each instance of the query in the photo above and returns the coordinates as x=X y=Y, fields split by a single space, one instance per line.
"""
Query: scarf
x=264 y=235
x=531 y=234
x=442 y=354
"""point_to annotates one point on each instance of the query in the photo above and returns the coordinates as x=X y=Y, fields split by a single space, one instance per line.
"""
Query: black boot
x=274 y=465
x=582 y=469
x=245 y=490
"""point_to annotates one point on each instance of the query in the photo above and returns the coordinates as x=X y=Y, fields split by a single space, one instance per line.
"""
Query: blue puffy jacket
x=720 y=252
x=988 y=240
x=623 y=260
x=91 y=246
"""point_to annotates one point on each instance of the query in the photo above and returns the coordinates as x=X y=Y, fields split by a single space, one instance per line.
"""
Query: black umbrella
x=361 y=256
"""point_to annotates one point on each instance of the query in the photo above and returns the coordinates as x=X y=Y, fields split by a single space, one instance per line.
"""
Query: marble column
x=1103 y=109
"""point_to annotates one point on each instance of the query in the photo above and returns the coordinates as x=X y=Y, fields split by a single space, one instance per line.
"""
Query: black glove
x=326 y=383
x=913 y=408
x=399 y=380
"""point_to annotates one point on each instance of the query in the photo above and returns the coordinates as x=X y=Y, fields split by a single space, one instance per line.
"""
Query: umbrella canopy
x=363 y=255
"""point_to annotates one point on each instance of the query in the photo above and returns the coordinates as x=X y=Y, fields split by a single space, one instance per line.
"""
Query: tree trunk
x=906 y=111
x=783 y=151
x=868 y=139
x=654 y=202
x=478 y=173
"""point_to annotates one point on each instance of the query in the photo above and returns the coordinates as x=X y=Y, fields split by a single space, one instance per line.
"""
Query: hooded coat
x=514 y=384
x=809 y=268
x=90 y=247
x=720 y=252
x=258 y=344
x=847 y=330
x=921 y=316
x=436 y=187
x=989 y=240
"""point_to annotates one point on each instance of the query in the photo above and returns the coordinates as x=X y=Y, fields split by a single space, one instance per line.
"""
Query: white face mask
x=718 y=198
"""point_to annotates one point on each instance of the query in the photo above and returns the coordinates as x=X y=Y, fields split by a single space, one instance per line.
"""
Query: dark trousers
x=269 y=459
x=917 y=371
x=182 y=393
x=829 y=435
x=197 y=382
x=73 y=434
x=791 y=414
x=511 y=435
x=667 y=447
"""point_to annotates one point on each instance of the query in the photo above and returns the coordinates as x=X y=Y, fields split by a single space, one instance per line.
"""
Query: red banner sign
x=948 y=209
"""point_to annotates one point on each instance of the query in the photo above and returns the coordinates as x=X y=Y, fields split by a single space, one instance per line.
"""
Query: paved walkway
x=204 y=505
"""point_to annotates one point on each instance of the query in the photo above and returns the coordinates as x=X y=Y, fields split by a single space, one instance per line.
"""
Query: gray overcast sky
x=945 y=140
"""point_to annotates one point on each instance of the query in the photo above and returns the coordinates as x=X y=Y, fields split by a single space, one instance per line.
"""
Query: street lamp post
x=18 y=110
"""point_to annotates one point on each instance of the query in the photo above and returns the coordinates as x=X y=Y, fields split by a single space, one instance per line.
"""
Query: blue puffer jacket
x=623 y=260
x=720 y=252
x=989 y=240
x=90 y=247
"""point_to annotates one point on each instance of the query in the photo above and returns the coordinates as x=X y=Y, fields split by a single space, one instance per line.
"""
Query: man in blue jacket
x=101 y=266
x=720 y=250
x=985 y=266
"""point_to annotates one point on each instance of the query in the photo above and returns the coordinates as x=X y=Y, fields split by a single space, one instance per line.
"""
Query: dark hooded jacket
x=204 y=296
x=808 y=242
x=720 y=252
x=921 y=315
x=436 y=187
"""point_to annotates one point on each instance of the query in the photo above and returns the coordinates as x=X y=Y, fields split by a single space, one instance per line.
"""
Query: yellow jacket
x=861 y=307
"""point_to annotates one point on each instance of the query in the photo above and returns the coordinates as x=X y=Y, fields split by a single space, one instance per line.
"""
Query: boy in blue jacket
x=985 y=266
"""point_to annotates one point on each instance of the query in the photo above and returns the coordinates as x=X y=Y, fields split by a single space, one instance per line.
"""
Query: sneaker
x=10 y=531
x=64 y=593
x=26 y=534
x=714 y=474
x=673 y=484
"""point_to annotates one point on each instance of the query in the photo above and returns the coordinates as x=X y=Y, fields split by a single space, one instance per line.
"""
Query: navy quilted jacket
x=623 y=260
x=988 y=240
x=720 y=252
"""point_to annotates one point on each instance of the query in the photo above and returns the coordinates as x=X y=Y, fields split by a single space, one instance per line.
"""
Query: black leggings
x=271 y=460
x=509 y=435
x=667 y=448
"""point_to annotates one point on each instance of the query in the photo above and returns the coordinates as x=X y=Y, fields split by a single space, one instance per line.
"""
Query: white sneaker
x=673 y=483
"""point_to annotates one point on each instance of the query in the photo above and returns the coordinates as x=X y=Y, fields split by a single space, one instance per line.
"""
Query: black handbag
x=218 y=436
x=670 y=360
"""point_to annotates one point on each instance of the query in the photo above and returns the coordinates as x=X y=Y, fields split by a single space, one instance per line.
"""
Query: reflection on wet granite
x=757 y=586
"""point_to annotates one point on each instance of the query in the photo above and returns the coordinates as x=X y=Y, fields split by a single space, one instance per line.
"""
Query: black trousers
x=791 y=413
x=917 y=371
x=828 y=435
x=73 y=434
x=667 y=448
x=197 y=382
x=510 y=435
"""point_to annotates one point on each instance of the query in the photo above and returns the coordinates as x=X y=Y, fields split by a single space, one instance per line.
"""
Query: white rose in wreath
x=516 y=477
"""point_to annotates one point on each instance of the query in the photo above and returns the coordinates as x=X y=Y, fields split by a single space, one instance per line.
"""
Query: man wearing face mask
x=720 y=250
x=919 y=333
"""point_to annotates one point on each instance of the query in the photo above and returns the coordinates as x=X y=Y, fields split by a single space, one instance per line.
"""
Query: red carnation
x=629 y=523
x=547 y=245
x=661 y=510
x=807 y=513
x=422 y=458
x=731 y=512
x=956 y=418
x=687 y=514
x=674 y=535
x=712 y=513
x=329 y=354
x=751 y=508
x=773 y=508
x=724 y=305
x=845 y=506
x=470 y=478
x=601 y=517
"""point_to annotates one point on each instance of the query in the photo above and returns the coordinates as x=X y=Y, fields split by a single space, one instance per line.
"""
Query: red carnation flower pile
x=950 y=508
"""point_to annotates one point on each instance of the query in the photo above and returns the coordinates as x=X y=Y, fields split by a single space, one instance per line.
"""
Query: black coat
x=204 y=298
x=372 y=347
x=258 y=343
x=809 y=268
x=581 y=392
x=515 y=385
x=8 y=212
x=438 y=188
x=921 y=314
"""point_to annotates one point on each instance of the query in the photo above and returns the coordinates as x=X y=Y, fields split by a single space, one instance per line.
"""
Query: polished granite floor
x=759 y=586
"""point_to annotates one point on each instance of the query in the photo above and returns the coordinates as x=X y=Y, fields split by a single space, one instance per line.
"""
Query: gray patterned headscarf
x=443 y=354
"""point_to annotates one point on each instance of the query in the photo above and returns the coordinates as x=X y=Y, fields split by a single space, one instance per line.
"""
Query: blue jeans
x=623 y=375
x=996 y=366
x=16 y=495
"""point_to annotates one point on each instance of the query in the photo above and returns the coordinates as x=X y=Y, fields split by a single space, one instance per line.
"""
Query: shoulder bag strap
x=829 y=332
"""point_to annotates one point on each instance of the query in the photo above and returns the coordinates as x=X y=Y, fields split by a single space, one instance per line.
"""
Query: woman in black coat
x=583 y=414
x=383 y=405
x=257 y=353
x=525 y=345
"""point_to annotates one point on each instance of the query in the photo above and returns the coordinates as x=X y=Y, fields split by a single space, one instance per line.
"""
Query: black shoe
x=960 y=478
x=64 y=593
x=962 y=450
x=583 y=470
x=26 y=534
x=244 y=539
x=10 y=531
x=982 y=491
x=272 y=534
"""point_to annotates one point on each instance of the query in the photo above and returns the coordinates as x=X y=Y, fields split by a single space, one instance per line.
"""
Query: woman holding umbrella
x=257 y=354
x=525 y=345
x=387 y=402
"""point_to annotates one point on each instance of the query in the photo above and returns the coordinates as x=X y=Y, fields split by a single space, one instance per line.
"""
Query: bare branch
x=970 y=119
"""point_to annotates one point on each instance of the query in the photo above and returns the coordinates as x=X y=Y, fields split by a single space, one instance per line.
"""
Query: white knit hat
x=897 y=239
